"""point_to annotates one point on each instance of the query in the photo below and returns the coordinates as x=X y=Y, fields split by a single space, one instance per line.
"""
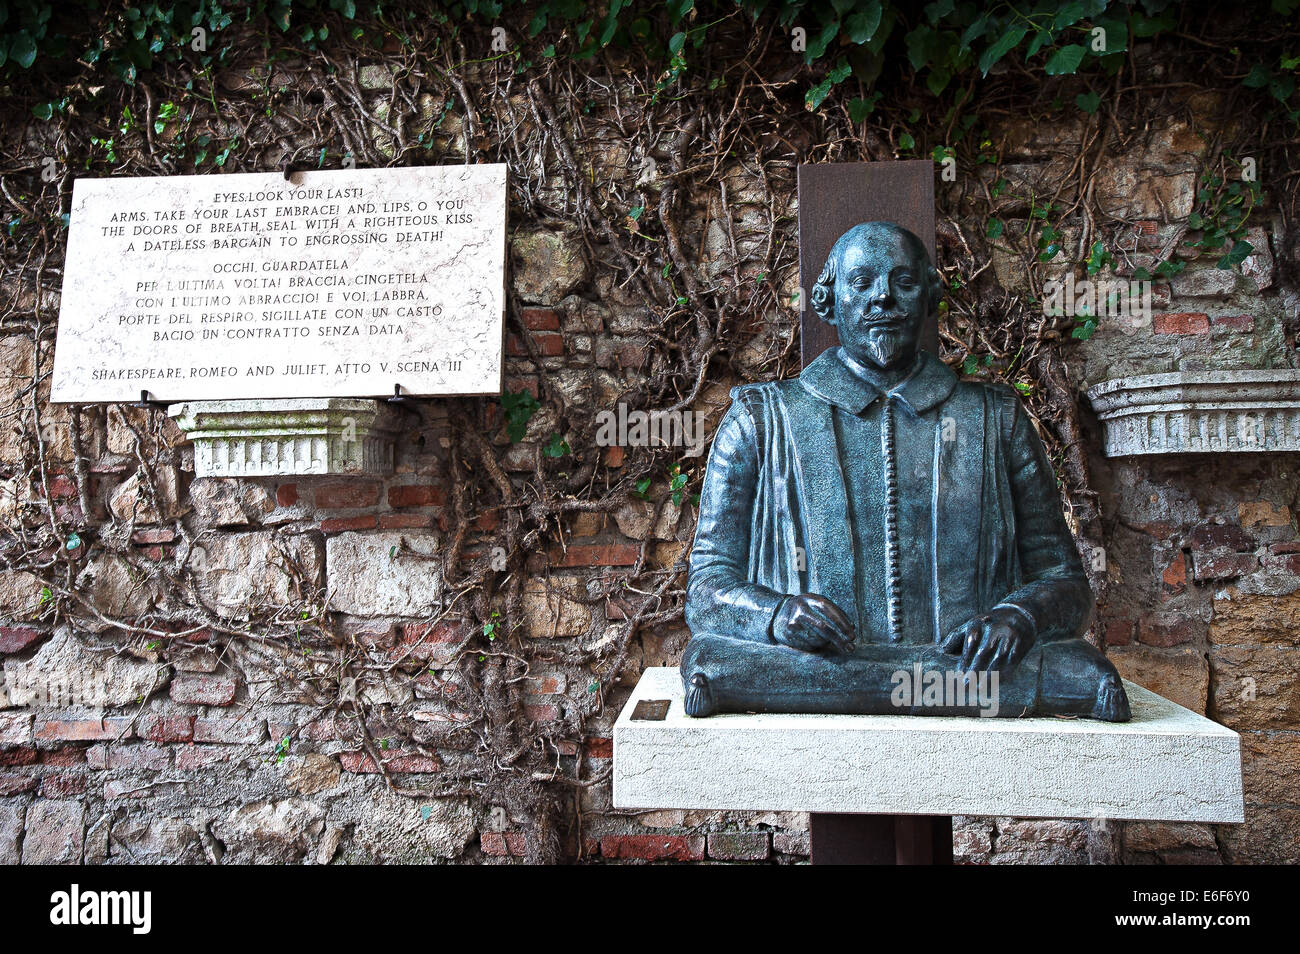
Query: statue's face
x=880 y=299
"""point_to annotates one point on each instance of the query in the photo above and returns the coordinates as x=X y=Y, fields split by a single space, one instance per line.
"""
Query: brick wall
x=211 y=748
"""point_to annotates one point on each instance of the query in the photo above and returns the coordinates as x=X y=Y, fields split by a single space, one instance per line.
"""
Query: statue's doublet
x=795 y=501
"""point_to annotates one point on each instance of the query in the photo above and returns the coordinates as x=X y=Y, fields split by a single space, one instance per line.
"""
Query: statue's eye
x=905 y=281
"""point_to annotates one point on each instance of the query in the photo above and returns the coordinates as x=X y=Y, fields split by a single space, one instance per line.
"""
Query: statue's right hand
x=813 y=623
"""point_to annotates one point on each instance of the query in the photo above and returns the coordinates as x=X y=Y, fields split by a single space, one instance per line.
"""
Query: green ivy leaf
x=22 y=49
x=1241 y=249
x=1004 y=45
x=994 y=229
x=1065 y=60
x=1088 y=102
x=815 y=96
x=862 y=26
x=860 y=108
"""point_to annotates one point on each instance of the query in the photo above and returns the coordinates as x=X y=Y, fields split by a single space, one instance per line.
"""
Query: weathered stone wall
x=204 y=746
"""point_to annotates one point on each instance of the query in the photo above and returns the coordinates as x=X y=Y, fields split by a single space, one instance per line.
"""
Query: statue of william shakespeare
x=877 y=536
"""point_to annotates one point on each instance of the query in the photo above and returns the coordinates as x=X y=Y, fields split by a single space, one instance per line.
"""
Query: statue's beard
x=890 y=347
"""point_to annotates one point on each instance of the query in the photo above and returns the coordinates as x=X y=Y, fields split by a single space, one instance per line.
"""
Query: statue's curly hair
x=823 y=291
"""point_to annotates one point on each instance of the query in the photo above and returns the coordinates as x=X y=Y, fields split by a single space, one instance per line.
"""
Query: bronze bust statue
x=877 y=536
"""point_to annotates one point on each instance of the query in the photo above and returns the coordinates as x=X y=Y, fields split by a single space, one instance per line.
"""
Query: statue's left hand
x=991 y=641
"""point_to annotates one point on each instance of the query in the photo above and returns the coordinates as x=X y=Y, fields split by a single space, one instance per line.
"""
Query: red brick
x=542 y=713
x=1166 y=633
x=1225 y=536
x=654 y=847
x=524 y=382
x=1221 y=566
x=1119 y=632
x=396 y=762
x=1181 y=323
x=548 y=684
x=614 y=456
x=17 y=784
x=82 y=730
x=515 y=346
x=540 y=319
x=597 y=554
x=157 y=728
x=739 y=845
x=340 y=524
x=155 y=535
x=416 y=495
x=1288 y=563
x=14 y=639
x=418 y=636
x=1175 y=575
x=345 y=496
x=23 y=755
x=405 y=521
x=63 y=757
x=549 y=344
x=600 y=748
x=62 y=486
x=286 y=495
x=63 y=785
x=485 y=522
x=192 y=757
x=502 y=844
x=1235 y=322
x=237 y=731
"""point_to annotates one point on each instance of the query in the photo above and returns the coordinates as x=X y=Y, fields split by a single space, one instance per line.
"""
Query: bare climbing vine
x=636 y=172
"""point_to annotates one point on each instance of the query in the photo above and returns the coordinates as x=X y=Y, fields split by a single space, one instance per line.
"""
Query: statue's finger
x=840 y=630
x=825 y=632
x=1001 y=655
x=835 y=614
x=971 y=647
x=984 y=654
x=952 y=643
x=1019 y=646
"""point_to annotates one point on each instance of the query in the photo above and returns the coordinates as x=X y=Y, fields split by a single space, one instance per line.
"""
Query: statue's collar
x=831 y=379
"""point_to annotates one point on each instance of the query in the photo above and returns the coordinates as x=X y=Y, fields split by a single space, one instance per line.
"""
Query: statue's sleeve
x=1055 y=592
x=720 y=598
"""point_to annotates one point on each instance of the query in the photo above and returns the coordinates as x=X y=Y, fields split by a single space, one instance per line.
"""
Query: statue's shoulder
x=763 y=393
x=1003 y=399
x=764 y=403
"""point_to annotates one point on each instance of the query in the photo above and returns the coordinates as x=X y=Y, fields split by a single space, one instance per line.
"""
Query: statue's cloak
x=774 y=518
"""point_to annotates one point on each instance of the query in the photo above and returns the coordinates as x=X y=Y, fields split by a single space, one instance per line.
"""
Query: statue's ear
x=823 y=302
x=936 y=287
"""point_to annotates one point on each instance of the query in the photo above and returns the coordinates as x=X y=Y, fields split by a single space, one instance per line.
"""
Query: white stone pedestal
x=289 y=436
x=1167 y=764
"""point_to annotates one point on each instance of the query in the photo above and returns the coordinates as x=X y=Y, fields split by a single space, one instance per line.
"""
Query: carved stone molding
x=1200 y=412
x=289 y=436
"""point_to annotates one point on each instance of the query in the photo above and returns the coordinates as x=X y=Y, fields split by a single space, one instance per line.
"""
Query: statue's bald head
x=877 y=287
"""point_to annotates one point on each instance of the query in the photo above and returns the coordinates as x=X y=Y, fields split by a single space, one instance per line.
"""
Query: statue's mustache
x=885 y=318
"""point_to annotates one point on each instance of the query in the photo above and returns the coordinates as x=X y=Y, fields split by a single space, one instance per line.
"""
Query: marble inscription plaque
x=341 y=283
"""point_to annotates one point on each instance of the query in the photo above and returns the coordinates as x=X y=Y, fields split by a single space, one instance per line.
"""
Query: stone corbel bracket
x=289 y=436
x=1200 y=412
